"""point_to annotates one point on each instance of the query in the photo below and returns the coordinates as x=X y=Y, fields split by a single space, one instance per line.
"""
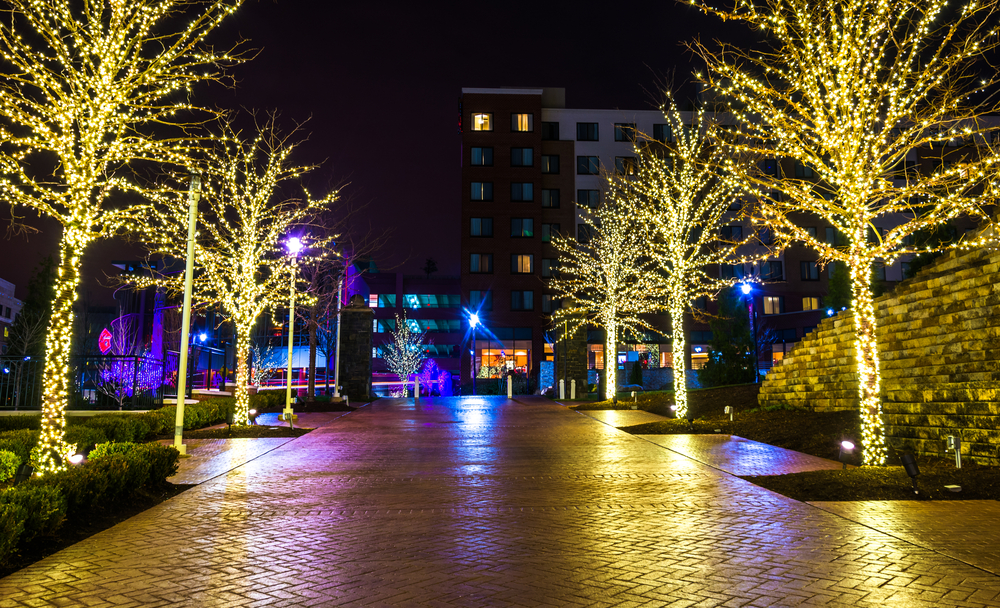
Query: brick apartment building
x=531 y=167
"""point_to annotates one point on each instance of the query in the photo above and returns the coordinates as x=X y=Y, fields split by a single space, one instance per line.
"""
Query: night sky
x=380 y=84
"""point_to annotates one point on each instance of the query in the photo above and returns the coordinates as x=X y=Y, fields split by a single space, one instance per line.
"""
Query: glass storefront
x=493 y=357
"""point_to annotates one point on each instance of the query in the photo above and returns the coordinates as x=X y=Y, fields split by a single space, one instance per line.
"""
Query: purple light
x=294 y=245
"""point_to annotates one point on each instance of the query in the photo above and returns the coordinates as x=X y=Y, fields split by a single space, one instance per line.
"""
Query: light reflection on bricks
x=454 y=503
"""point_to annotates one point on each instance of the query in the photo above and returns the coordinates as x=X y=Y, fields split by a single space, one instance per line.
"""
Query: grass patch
x=978 y=482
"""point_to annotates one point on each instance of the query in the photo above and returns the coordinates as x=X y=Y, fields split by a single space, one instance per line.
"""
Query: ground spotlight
x=253 y=416
x=76 y=458
x=911 y=468
x=23 y=473
x=846 y=451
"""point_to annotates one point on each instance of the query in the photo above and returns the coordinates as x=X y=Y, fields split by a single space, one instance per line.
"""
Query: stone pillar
x=356 y=348
x=573 y=351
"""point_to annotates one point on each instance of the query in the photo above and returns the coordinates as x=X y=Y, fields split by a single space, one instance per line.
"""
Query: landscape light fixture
x=955 y=443
x=746 y=288
x=830 y=312
x=729 y=410
x=253 y=416
x=846 y=451
x=911 y=468
x=24 y=472
x=76 y=459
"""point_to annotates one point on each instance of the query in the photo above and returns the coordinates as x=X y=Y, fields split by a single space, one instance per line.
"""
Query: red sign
x=104 y=341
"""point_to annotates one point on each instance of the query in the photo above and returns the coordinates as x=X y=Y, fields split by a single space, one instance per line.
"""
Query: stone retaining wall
x=939 y=344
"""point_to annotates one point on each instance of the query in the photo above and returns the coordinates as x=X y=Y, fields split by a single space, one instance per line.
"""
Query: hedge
x=9 y=462
x=39 y=506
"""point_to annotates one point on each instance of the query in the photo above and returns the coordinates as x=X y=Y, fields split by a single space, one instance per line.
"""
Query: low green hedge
x=39 y=506
x=9 y=462
x=17 y=423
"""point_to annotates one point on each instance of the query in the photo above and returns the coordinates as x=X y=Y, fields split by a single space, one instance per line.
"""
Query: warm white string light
x=851 y=90
x=87 y=90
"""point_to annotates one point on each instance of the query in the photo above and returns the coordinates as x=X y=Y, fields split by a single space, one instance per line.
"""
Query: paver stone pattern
x=489 y=502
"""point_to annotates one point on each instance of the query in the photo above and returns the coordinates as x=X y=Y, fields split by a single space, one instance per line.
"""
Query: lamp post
x=336 y=373
x=194 y=193
x=473 y=323
x=294 y=246
x=747 y=290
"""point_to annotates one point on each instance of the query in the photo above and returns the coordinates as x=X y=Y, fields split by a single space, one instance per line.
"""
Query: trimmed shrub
x=121 y=427
x=17 y=423
x=8 y=464
x=41 y=509
x=163 y=461
x=85 y=437
x=11 y=526
x=111 y=447
x=19 y=442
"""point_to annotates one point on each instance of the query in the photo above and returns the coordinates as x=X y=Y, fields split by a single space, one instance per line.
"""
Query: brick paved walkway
x=741 y=456
x=487 y=502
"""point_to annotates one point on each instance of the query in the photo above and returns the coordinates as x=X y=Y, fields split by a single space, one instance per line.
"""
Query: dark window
x=700 y=303
x=766 y=236
x=522 y=300
x=550 y=198
x=550 y=131
x=588 y=165
x=480 y=263
x=626 y=165
x=700 y=337
x=481 y=226
x=769 y=166
x=624 y=131
x=878 y=272
x=662 y=134
x=482 y=191
x=550 y=164
x=522 y=227
x=586 y=131
x=771 y=271
x=522 y=191
x=810 y=271
x=732 y=271
x=481 y=300
x=808 y=330
x=786 y=336
x=732 y=233
x=522 y=263
x=522 y=122
x=549 y=304
x=548 y=230
x=588 y=198
x=803 y=172
x=549 y=266
x=811 y=231
x=482 y=157
x=584 y=232
x=522 y=157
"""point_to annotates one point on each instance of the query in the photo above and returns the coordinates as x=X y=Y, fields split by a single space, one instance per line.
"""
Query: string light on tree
x=686 y=190
x=404 y=355
x=87 y=90
x=853 y=91
x=240 y=248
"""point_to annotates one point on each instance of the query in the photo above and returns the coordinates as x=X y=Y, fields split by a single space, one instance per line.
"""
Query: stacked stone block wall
x=939 y=345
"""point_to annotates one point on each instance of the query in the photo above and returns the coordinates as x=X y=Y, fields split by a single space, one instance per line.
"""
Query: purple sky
x=381 y=83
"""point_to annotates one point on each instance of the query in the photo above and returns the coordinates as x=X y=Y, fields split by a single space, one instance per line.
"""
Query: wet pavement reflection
x=486 y=501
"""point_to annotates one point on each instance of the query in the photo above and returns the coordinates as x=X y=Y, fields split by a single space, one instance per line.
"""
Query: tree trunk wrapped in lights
x=87 y=89
x=853 y=91
x=240 y=262
x=687 y=188
x=404 y=355
x=608 y=280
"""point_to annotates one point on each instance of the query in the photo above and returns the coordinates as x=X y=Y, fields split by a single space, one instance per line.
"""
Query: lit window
x=810 y=303
x=521 y=263
x=522 y=191
x=774 y=305
x=522 y=122
x=373 y=301
x=482 y=157
x=482 y=191
x=482 y=122
x=550 y=198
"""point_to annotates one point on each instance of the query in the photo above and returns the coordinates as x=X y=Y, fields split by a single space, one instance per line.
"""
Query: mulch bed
x=76 y=530
x=244 y=432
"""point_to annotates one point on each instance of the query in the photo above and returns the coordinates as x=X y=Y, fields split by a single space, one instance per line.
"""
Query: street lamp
x=747 y=290
x=194 y=193
x=294 y=246
x=473 y=323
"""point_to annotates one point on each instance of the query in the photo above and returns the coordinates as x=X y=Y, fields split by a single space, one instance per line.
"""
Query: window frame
x=520 y=293
x=625 y=131
x=483 y=222
x=482 y=155
x=516 y=260
x=485 y=192
x=518 y=153
x=547 y=229
x=519 y=188
x=768 y=302
x=550 y=164
x=489 y=121
x=547 y=199
x=515 y=122
x=809 y=270
x=588 y=165
x=626 y=165
x=521 y=221
x=658 y=133
x=584 y=128
x=488 y=257
x=589 y=192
